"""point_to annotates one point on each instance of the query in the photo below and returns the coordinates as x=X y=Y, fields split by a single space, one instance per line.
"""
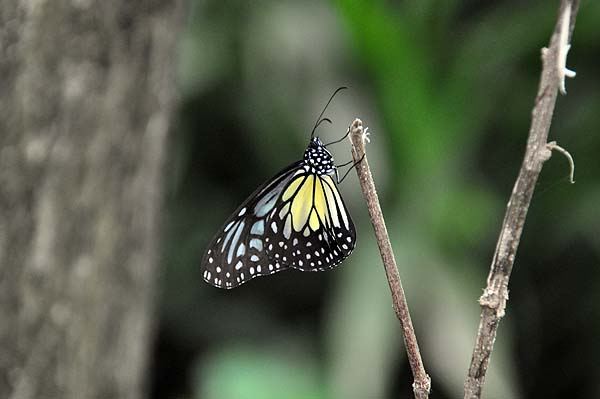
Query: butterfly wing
x=310 y=228
x=237 y=253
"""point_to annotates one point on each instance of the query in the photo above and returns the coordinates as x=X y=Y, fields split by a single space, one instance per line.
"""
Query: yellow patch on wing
x=313 y=221
x=331 y=201
x=302 y=202
x=291 y=189
x=338 y=199
x=320 y=202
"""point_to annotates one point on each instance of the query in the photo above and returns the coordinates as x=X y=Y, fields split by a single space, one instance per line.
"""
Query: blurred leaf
x=248 y=372
x=363 y=336
x=461 y=219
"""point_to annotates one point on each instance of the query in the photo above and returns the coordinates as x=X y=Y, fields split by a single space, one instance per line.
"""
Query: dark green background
x=446 y=88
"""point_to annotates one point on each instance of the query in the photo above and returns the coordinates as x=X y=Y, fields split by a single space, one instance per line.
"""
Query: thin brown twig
x=422 y=382
x=495 y=295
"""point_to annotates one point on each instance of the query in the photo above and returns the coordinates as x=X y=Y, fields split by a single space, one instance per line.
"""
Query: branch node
x=553 y=146
x=495 y=301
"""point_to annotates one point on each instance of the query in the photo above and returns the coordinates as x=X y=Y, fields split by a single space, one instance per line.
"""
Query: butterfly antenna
x=319 y=120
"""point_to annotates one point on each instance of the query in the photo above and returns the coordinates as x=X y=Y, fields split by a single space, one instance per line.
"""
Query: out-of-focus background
x=446 y=89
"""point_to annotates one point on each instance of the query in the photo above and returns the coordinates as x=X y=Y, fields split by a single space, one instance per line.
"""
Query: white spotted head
x=318 y=159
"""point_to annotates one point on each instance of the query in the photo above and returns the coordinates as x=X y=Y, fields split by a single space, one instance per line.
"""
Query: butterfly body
x=296 y=220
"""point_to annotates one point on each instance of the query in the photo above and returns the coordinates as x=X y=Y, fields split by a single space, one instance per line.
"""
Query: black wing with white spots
x=237 y=253
x=298 y=220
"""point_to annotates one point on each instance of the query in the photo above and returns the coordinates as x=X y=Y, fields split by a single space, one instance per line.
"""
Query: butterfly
x=297 y=219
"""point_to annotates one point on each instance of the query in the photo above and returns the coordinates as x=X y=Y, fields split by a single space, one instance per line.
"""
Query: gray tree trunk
x=86 y=92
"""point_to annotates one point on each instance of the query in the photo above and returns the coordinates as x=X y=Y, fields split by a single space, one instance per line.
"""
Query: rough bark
x=86 y=91
x=495 y=295
x=358 y=137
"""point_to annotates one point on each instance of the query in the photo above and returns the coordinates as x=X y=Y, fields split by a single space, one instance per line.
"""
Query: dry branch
x=422 y=382
x=495 y=295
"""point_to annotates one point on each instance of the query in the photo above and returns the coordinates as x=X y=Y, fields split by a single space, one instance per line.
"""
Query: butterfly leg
x=337 y=141
x=337 y=176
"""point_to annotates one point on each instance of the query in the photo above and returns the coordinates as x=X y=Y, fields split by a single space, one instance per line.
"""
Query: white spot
x=287 y=228
x=270 y=266
x=307 y=256
x=274 y=227
x=281 y=243
x=254 y=258
x=239 y=265
x=295 y=241
x=339 y=234
x=284 y=259
x=241 y=250
x=319 y=262
x=277 y=265
x=229 y=226
x=242 y=212
x=349 y=239
x=234 y=241
x=277 y=255
x=207 y=275
x=210 y=260
x=227 y=275
x=299 y=263
x=242 y=276
x=258 y=228
x=312 y=263
x=309 y=244
x=256 y=243
x=218 y=269
x=317 y=253
x=320 y=237
x=344 y=246
x=228 y=236
x=322 y=250
x=270 y=247
x=258 y=269
x=251 y=270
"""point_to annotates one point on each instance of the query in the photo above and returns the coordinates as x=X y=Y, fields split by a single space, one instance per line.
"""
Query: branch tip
x=563 y=49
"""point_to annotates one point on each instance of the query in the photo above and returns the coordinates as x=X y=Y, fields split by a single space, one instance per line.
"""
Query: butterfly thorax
x=317 y=159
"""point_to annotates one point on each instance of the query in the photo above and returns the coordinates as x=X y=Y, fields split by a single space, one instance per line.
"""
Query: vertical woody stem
x=422 y=382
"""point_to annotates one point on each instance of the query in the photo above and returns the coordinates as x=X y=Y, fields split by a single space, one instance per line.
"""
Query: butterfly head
x=318 y=159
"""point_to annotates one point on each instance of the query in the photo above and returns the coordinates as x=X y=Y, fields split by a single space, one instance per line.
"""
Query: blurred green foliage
x=446 y=88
